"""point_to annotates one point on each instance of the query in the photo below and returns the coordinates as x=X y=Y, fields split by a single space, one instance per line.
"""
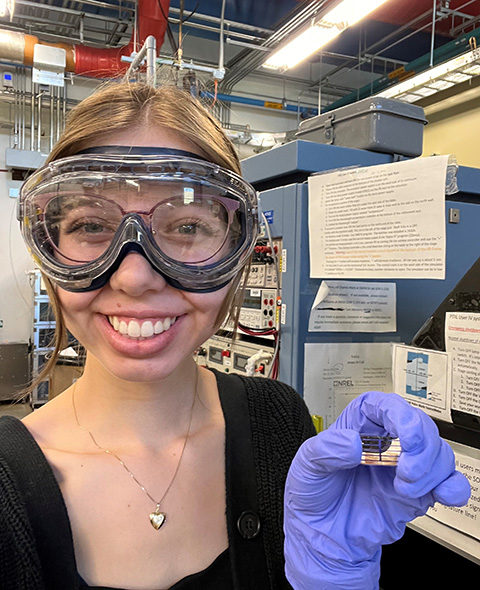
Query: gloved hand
x=339 y=513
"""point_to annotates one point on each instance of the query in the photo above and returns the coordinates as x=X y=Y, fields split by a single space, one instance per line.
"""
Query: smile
x=140 y=328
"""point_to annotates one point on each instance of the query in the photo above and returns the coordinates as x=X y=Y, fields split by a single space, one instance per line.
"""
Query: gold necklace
x=157 y=517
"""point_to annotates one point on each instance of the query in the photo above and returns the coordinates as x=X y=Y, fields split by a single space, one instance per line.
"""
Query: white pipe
x=432 y=44
x=151 y=45
x=51 y=117
x=32 y=118
x=221 y=57
x=24 y=108
x=148 y=51
x=39 y=122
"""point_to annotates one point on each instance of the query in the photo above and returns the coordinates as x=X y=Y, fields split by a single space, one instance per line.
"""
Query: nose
x=135 y=276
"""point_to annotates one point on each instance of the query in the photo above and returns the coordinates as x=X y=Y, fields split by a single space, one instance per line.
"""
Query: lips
x=140 y=329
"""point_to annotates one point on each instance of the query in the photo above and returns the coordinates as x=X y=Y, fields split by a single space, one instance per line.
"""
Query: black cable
x=192 y=13
x=171 y=38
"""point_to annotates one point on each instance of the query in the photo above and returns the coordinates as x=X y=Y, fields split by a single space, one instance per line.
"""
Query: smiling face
x=138 y=327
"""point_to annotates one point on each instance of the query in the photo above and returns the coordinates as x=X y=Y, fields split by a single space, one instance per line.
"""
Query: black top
x=266 y=421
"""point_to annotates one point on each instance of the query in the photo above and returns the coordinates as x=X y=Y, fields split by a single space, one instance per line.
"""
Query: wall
x=16 y=294
x=16 y=281
x=454 y=127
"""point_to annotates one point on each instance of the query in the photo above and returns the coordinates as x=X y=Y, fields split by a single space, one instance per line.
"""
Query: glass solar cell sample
x=380 y=450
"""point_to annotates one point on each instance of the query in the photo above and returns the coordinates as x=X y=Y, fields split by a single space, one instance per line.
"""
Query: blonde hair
x=119 y=107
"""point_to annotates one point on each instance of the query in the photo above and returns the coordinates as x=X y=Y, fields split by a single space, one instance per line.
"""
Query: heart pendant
x=157 y=519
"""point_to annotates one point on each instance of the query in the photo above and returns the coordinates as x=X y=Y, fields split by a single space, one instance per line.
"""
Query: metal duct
x=89 y=61
x=102 y=63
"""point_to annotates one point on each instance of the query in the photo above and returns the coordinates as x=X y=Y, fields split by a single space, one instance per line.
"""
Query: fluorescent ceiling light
x=7 y=6
x=329 y=26
x=455 y=71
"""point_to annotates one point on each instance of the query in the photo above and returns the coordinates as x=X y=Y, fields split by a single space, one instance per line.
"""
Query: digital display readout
x=240 y=362
x=252 y=299
x=215 y=355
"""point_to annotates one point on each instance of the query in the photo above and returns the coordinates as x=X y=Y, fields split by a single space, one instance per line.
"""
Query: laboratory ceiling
x=395 y=34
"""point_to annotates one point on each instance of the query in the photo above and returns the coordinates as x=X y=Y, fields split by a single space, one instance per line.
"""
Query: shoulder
x=272 y=392
x=278 y=405
x=51 y=423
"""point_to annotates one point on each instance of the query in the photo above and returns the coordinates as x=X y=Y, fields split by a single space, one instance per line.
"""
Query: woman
x=154 y=473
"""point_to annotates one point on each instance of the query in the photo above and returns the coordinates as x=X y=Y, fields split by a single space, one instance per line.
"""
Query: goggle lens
x=191 y=228
x=194 y=221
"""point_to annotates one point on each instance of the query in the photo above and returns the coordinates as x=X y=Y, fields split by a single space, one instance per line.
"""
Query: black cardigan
x=266 y=421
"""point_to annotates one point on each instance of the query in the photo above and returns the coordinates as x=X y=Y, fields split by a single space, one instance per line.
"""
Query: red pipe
x=105 y=63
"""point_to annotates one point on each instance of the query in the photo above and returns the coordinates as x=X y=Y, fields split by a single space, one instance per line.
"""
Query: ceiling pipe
x=443 y=53
x=92 y=61
x=261 y=103
x=102 y=63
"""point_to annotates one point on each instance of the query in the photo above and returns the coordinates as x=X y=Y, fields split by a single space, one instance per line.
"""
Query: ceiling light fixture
x=7 y=6
x=345 y=14
x=454 y=71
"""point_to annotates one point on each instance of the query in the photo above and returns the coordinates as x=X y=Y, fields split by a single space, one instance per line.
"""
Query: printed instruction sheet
x=354 y=306
x=337 y=373
x=422 y=377
x=464 y=518
x=383 y=222
x=462 y=341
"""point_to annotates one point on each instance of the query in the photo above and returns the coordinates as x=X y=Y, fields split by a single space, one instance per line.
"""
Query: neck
x=132 y=413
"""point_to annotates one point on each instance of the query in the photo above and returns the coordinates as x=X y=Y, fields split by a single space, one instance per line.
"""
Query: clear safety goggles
x=194 y=221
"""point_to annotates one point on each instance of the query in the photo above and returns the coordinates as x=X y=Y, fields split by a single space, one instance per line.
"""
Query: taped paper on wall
x=464 y=518
x=337 y=373
x=354 y=306
x=462 y=341
x=383 y=222
x=422 y=377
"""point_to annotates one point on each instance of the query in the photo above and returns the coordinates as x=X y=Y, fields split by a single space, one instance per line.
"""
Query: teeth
x=133 y=329
x=146 y=330
x=136 y=329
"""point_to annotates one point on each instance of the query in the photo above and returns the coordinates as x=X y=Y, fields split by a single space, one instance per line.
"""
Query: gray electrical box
x=49 y=65
x=375 y=124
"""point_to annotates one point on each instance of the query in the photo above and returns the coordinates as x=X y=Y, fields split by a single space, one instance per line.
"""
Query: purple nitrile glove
x=339 y=513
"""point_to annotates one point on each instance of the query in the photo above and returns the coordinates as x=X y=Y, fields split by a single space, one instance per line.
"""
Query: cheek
x=209 y=303
x=72 y=303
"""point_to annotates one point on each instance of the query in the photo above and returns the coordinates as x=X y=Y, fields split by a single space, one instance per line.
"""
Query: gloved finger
x=454 y=491
x=418 y=473
x=320 y=470
x=397 y=417
x=426 y=460
x=330 y=451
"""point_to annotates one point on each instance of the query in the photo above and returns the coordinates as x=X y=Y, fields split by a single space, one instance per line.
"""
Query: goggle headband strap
x=124 y=150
